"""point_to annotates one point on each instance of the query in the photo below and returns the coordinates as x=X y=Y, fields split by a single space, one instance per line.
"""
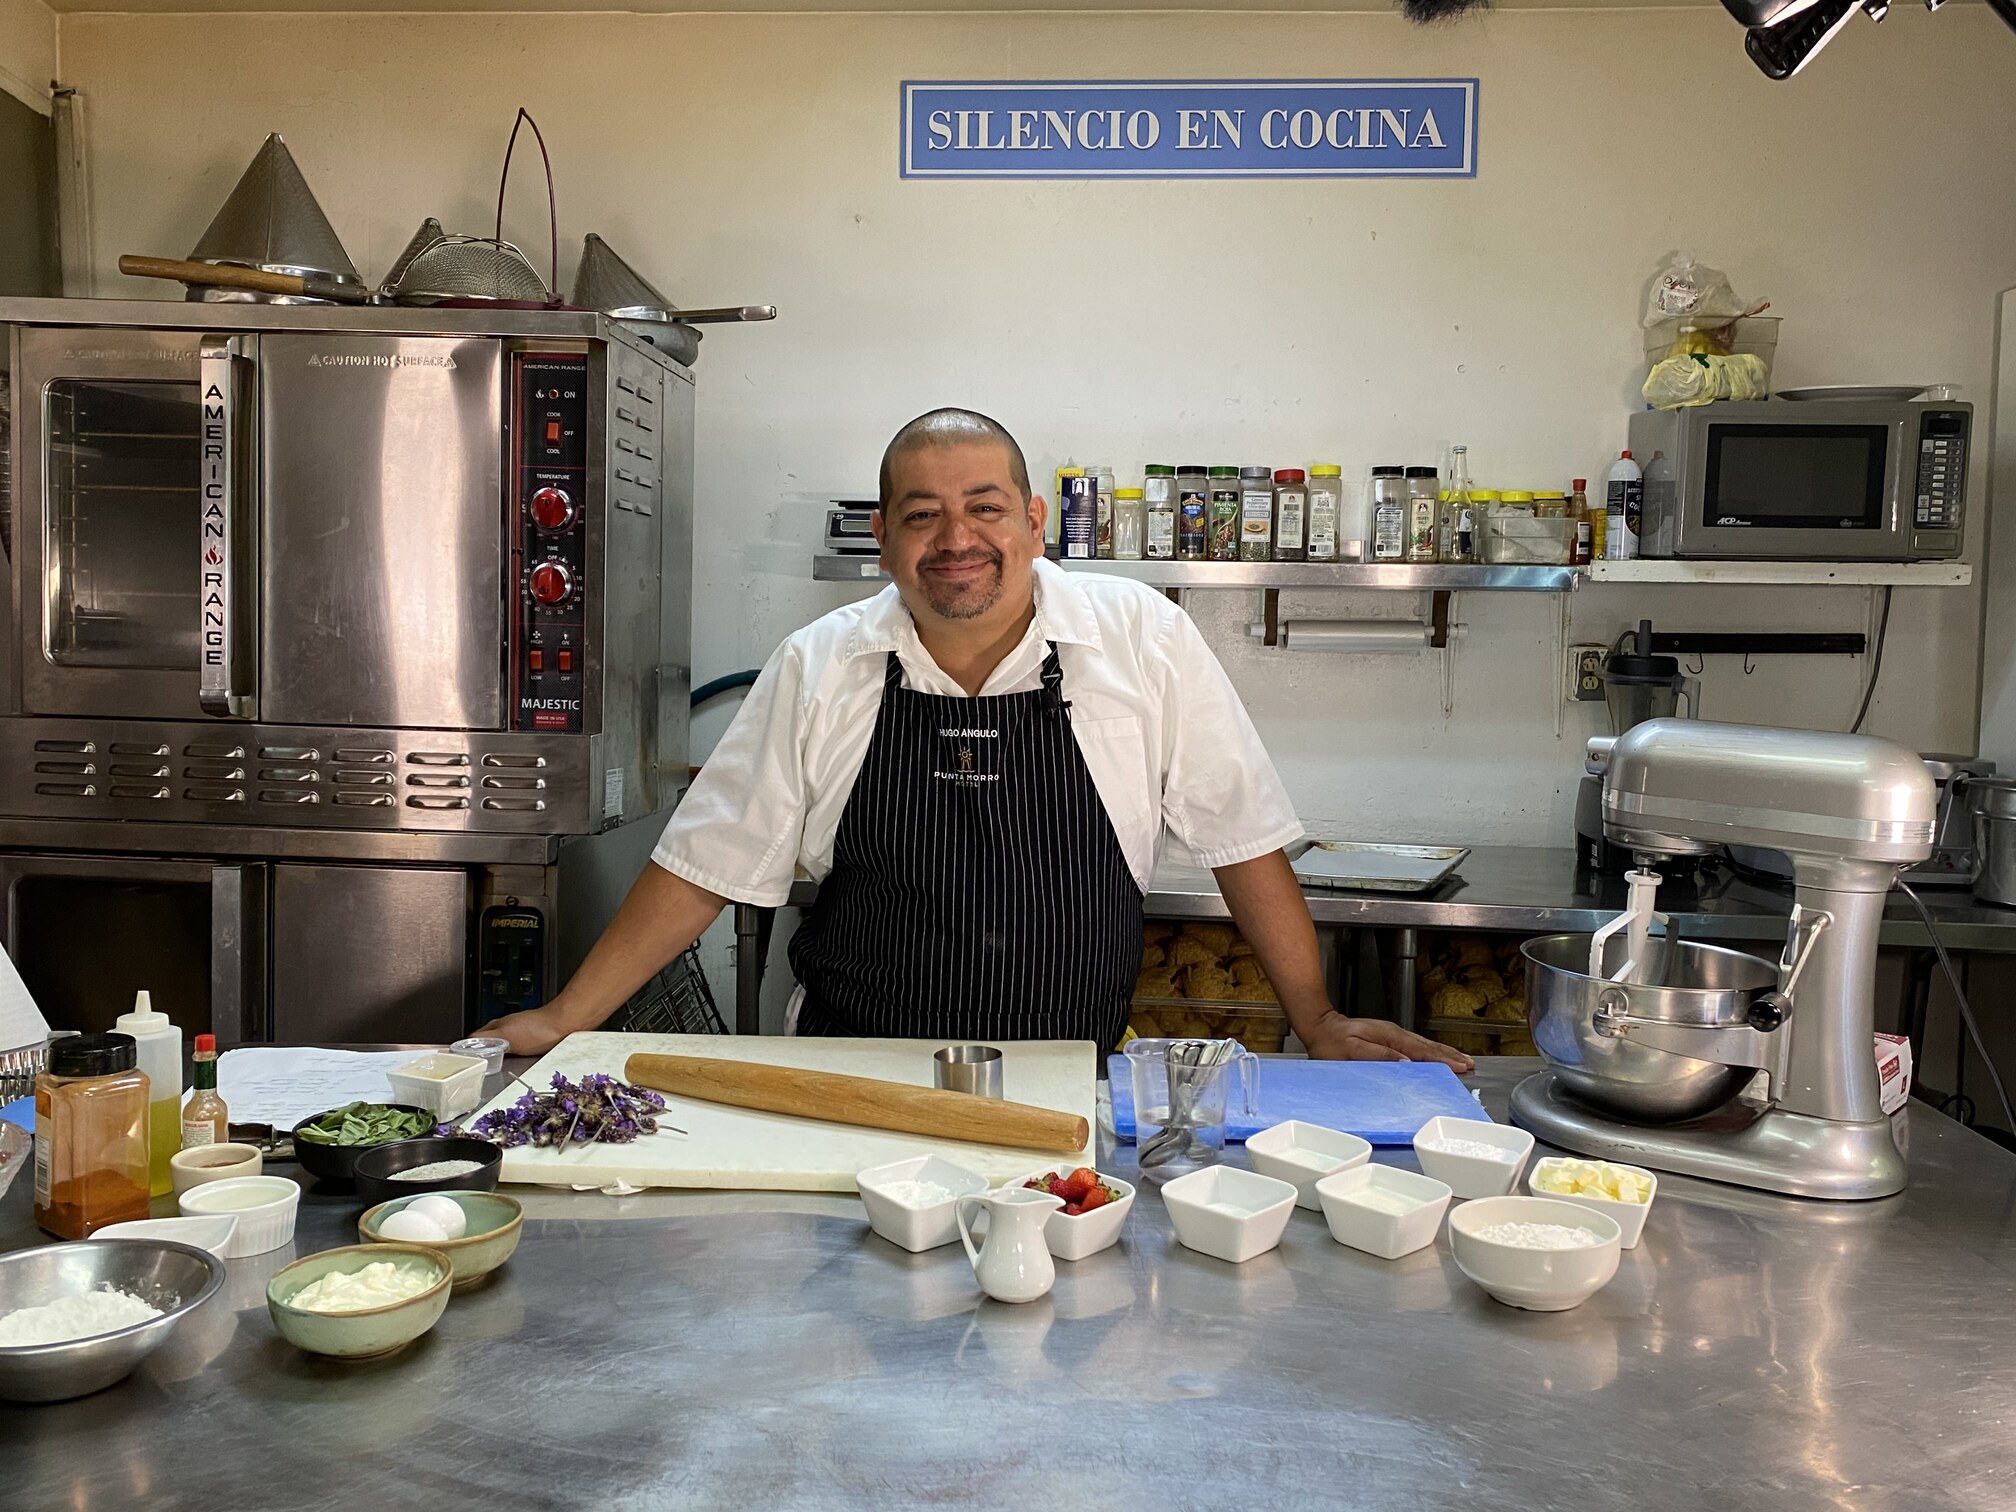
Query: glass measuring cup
x=1180 y=1092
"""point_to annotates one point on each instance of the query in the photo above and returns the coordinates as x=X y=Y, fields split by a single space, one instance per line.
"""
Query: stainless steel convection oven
x=345 y=656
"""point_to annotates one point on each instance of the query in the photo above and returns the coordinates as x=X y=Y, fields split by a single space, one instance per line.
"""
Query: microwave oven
x=1820 y=481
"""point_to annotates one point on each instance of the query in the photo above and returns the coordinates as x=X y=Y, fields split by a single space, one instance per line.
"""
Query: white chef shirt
x=1164 y=736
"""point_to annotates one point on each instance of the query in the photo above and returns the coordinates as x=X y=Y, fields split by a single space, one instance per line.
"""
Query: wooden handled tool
x=254 y=280
x=862 y=1101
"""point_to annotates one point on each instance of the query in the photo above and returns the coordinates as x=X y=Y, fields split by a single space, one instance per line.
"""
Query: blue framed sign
x=1246 y=128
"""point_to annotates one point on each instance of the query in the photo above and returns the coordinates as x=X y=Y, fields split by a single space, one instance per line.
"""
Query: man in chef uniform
x=977 y=765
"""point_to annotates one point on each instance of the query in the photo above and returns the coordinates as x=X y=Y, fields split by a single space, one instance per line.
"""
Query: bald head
x=1427 y=12
x=954 y=427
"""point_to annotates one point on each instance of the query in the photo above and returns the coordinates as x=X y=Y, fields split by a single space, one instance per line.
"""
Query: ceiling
x=673 y=7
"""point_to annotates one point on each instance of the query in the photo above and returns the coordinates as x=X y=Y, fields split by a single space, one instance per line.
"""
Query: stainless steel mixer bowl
x=176 y=1278
x=1691 y=984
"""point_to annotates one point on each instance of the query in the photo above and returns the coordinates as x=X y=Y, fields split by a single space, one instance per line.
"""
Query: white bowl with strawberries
x=1095 y=1208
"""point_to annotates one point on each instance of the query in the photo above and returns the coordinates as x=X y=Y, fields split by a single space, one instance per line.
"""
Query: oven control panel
x=549 y=394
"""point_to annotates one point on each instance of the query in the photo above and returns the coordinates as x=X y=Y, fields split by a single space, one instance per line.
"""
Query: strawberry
x=1086 y=1177
x=1073 y=1209
x=1098 y=1197
x=1074 y=1186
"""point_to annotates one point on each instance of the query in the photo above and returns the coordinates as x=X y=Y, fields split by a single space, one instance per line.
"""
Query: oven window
x=1797 y=477
x=123 y=523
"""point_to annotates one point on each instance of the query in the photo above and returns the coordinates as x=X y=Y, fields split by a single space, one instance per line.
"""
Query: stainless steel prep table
x=763 y=1350
x=1518 y=889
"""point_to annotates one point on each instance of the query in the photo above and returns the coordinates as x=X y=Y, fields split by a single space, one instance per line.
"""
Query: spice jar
x=1389 y=515
x=1193 y=498
x=1130 y=523
x=1256 y=514
x=90 y=1135
x=1224 y=514
x=1158 y=489
x=1291 y=514
x=1422 y=506
x=1326 y=504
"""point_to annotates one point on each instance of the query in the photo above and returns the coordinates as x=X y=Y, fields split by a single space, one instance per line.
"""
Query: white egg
x=414 y=1228
x=445 y=1212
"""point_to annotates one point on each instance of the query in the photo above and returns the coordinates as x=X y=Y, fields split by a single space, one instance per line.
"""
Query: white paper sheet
x=281 y=1086
x=21 y=1023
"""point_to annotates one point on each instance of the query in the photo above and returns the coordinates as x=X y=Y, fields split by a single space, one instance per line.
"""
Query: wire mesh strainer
x=469 y=267
x=482 y=269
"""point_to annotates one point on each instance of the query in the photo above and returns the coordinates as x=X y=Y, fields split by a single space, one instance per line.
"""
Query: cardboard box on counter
x=1893 y=1070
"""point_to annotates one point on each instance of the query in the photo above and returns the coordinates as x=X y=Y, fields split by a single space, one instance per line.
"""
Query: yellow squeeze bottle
x=159 y=1043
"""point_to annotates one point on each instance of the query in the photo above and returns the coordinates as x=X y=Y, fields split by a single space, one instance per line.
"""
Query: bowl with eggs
x=360 y=1301
x=476 y=1231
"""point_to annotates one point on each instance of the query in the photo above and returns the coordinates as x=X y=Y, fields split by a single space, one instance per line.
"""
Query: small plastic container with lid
x=157 y=1043
x=1256 y=514
x=1326 y=512
x=1291 y=515
x=1130 y=524
x=1551 y=506
x=1102 y=527
x=90 y=1135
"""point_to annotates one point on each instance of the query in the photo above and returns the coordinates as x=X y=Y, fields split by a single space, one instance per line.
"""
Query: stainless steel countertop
x=756 y=1350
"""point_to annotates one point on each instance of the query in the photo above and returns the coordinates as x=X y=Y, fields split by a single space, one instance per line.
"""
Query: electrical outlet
x=1585 y=674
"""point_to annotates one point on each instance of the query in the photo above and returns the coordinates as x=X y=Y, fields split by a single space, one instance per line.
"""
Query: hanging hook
x=1700 y=665
x=1748 y=668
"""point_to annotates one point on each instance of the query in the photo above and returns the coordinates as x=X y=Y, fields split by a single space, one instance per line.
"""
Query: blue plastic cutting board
x=1385 y=1102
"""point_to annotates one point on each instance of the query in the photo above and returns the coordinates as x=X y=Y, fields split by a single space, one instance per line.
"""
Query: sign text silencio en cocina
x=1310 y=128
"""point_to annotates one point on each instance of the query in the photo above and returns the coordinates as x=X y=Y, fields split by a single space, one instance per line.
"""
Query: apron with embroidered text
x=978 y=891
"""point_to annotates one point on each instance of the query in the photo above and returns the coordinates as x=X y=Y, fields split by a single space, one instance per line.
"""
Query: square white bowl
x=204 y=1231
x=1074 y=1236
x=1535 y=1279
x=1228 y=1213
x=1628 y=1216
x=1302 y=1154
x=1471 y=1176
x=265 y=1206
x=1383 y=1211
x=913 y=1225
x=445 y=1085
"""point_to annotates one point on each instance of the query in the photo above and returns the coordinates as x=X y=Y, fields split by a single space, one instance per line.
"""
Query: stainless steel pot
x=1994 y=803
x=1703 y=985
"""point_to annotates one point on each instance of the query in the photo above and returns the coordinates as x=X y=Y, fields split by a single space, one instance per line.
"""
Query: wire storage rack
x=675 y=1001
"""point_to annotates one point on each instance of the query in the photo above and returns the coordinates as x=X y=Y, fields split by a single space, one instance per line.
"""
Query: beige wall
x=754 y=158
x=27 y=51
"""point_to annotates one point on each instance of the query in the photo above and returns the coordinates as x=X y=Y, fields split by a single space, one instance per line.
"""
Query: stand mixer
x=1651 y=1042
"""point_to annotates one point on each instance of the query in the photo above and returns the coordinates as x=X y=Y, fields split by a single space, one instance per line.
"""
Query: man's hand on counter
x=1335 y=1037
x=533 y=1032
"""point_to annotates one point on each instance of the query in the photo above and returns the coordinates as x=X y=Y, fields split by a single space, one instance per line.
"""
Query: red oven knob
x=552 y=509
x=552 y=583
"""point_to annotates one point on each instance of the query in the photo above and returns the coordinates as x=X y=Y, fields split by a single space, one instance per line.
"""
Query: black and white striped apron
x=978 y=891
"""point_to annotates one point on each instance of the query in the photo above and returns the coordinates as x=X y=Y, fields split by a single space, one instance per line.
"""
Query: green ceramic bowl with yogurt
x=369 y=1331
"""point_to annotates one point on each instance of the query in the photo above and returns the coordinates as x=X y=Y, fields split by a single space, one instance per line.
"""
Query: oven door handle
x=229 y=688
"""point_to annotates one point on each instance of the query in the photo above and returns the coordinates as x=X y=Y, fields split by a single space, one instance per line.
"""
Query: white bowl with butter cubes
x=911 y=1202
x=445 y=1084
x=1621 y=1193
x=1471 y=1157
x=1302 y=1154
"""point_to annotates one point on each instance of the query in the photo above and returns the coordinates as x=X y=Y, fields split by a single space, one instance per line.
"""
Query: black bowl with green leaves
x=327 y=1145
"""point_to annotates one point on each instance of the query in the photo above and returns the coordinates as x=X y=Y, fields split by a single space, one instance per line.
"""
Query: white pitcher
x=1013 y=1263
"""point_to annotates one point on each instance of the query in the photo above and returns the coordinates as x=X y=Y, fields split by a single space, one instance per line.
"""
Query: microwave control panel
x=1942 y=469
x=549 y=652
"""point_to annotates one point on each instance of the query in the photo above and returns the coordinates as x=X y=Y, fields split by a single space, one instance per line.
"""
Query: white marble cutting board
x=743 y=1150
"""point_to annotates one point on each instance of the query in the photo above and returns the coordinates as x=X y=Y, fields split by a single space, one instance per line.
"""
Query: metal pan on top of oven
x=1363 y=866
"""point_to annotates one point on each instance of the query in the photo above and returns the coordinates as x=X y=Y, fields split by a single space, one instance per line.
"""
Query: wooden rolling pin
x=862 y=1101
x=255 y=280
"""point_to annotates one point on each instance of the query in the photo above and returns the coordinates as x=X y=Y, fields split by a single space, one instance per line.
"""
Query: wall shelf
x=831 y=568
x=1787 y=574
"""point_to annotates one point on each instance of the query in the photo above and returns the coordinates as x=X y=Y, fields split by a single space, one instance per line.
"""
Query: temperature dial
x=553 y=509
x=552 y=583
